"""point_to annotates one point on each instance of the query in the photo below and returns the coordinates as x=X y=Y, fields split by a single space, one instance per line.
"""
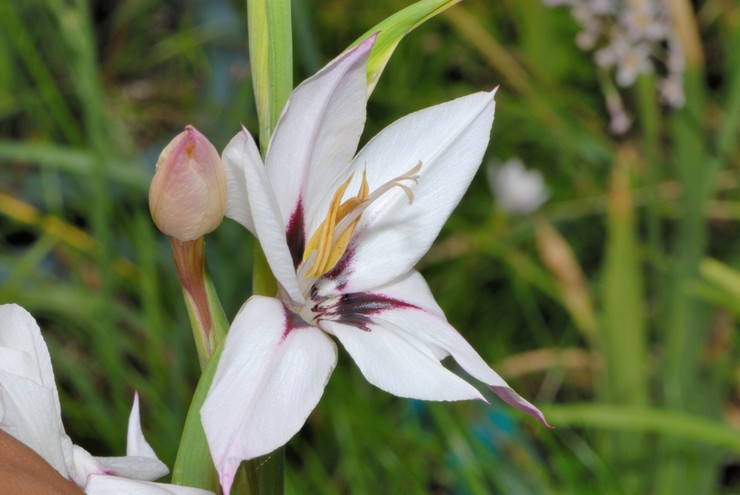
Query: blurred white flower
x=619 y=120
x=30 y=412
x=517 y=190
x=630 y=38
x=671 y=91
x=647 y=20
x=632 y=60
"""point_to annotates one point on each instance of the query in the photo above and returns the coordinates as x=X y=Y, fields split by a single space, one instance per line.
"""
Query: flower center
x=330 y=241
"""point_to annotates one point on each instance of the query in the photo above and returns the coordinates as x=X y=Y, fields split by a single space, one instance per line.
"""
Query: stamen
x=331 y=239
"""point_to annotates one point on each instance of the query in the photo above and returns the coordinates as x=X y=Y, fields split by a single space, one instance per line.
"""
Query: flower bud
x=187 y=197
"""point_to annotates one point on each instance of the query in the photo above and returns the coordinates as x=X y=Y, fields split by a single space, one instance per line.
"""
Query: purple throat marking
x=295 y=234
x=292 y=322
x=358 y=308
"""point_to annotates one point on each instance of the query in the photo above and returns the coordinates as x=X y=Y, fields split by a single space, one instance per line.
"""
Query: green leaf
x=721 y=275
x=392 y=30
x=193 y=465
x=271 y=58
x=664 y=422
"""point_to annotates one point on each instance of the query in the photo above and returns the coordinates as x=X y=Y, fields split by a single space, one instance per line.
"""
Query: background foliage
x=614 y=307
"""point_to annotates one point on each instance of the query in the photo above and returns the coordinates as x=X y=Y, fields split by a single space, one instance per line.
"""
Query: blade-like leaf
x=393 y=29
x=669 y=423
x=271 y=58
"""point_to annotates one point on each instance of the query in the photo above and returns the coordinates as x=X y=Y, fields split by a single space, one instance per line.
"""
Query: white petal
x=28 y=413
x=20 y=332
x=432 y=330
x=401 y=366
x=270 y=377
x=319 y=130
x=113 y=485
x=240 y=150
x=134 y=467
x=270 y=229
x=140 y=462
x=449 y=140
x=136 y=444
x=29 y=402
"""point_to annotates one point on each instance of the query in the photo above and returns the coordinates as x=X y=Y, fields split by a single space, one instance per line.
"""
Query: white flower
x=30 y=412
x=632 y=60
x=671 y=90
x=647 y=20
x=517 y=190
x=341 y=236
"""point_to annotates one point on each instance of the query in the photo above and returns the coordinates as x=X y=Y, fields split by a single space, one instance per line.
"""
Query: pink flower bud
x=187 y=197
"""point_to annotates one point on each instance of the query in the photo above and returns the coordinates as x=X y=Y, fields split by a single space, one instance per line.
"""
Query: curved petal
x=401 y=366
x=432 y=329
x=136 y=444
x=270 y=377
x=319 y=130
x=28 y=413
x=134 y=467
x=449 y=140
x=113 y=485
x=21 y=333
x=141 y=462
x=270 y=229
x=29 y=402
x=240 y=150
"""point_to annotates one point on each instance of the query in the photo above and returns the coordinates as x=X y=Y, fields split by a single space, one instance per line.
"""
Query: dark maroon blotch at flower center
x=358 y=308
x=295 y=234
x=293 y=321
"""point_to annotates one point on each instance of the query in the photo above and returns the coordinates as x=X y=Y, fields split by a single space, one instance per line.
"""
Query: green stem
x=271 y=57
x=207 y=318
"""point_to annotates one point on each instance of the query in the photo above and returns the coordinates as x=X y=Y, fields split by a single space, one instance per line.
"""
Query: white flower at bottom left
x=30 y=412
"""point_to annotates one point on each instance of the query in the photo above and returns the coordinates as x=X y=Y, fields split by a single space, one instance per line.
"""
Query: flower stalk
x=200 y=297
x=271 y=55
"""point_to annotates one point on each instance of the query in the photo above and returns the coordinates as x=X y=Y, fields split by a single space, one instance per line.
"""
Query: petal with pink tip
x=269 y=378
x=399 y=365
x=432 y=330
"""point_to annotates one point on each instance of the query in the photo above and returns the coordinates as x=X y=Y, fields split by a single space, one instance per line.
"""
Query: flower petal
x=270 y=229
x=136 y=444
x=140 y=462
x=318 y=132
x=21 y=333
x=113 y=485
x=133 y=467
x=399 y=365
x=28 y=413
x=240 y=150
x=270 y=377
x=29 y=402
x=449 y=140
x=426 y=325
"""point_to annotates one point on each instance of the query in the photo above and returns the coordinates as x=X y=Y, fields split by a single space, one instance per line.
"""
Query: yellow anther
x=330 y=240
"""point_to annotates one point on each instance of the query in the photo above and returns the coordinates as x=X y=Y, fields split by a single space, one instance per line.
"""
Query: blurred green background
x=614 y=307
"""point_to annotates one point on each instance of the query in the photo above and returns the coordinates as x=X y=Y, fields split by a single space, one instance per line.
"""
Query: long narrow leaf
x=393 y=29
